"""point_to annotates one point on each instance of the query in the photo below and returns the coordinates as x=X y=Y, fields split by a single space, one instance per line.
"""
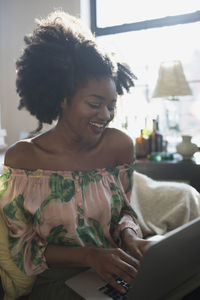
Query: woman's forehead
x=103 y=85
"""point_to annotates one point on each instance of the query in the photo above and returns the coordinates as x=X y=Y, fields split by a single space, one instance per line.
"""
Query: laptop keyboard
x=113 y=293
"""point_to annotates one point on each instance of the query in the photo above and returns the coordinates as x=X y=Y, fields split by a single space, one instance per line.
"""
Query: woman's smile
x=97 y=128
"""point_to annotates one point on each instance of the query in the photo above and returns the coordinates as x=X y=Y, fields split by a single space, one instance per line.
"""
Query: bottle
x=142 y=146
x=155 y=138
x=146 y=132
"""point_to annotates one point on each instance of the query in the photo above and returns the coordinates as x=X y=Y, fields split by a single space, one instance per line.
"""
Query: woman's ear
x=63 y=103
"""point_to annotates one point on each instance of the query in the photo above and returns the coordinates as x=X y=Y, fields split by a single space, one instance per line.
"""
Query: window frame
x=153 y=23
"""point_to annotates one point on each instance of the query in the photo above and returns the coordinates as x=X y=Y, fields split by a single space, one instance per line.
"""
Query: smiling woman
x=65 y=194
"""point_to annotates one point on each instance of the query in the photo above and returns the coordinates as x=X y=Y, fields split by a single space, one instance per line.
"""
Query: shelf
x=171 y=170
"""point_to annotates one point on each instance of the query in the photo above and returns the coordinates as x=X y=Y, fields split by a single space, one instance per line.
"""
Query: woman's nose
x=104 y=113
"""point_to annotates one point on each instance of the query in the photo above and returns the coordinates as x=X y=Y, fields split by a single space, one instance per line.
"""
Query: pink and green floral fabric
x=80 y=208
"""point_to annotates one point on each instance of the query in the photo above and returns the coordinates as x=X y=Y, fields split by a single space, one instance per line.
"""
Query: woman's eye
x=94 y=105
x=111 y=108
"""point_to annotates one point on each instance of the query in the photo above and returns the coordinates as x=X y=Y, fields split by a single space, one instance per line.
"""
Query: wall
x=16 y=20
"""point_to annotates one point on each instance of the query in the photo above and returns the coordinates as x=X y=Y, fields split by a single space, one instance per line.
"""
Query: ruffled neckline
x=43 y=172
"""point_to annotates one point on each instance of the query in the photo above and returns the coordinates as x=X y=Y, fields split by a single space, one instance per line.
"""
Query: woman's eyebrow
x=97 y=96
x=101 y=97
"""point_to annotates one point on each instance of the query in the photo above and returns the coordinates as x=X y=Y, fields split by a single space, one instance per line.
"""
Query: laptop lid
x=169 y=268
x=169 y=264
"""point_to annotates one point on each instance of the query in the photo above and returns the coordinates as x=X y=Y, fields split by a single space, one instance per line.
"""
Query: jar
x=186 y=148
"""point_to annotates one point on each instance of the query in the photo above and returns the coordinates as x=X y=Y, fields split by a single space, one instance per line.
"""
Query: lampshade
x=171 y=81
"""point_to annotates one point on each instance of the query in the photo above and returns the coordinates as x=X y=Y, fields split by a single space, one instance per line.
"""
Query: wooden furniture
x=178 y=170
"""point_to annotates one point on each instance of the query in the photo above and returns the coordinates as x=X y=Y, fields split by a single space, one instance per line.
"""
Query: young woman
x=66 y=197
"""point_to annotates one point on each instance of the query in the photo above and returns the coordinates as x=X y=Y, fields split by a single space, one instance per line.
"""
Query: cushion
x=15 y=283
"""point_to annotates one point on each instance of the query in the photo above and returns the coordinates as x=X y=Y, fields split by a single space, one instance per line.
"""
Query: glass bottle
x=146 y=132
x=142 y=146
x=155 y=138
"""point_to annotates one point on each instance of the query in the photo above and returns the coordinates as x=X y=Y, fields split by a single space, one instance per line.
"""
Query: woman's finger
x=136 y=253
x=115 y=285
x=126 y=275
x=134 y=257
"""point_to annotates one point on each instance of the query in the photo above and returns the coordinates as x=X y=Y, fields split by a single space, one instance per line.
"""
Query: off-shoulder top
x=72 y=208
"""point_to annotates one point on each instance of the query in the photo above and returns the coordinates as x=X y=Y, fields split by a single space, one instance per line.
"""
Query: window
x=129 y=11
x=144 y=45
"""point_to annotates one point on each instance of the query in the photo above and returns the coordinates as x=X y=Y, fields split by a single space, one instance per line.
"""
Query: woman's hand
x=134 y=245
x=113 y=263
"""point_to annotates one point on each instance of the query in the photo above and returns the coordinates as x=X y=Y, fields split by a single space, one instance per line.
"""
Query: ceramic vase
x=186 y=148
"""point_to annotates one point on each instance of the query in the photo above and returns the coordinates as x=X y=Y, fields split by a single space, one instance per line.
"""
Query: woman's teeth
x=96 y=128
x=97 y=125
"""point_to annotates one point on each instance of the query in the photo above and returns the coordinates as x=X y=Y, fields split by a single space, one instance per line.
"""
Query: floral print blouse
x=79 y=208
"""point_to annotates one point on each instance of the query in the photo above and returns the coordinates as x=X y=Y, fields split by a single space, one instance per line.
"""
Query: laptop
x=169 y=269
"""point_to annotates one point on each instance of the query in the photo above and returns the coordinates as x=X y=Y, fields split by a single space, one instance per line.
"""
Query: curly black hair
x=59 y=57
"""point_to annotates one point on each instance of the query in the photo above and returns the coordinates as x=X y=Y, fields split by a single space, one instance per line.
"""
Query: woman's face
x=90 y=110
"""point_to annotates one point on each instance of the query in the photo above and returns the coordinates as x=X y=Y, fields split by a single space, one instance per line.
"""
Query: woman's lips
x=96 y=128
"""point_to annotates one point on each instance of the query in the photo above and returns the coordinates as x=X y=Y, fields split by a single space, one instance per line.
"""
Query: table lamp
x=170 y=85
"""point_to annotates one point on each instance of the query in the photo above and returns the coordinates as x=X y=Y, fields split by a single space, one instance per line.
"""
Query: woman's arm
x=128 y=228
x=64 y=256
x=108 y=263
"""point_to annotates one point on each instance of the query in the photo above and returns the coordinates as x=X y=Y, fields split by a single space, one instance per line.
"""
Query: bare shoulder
x=120 y=145
x=18 y=154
